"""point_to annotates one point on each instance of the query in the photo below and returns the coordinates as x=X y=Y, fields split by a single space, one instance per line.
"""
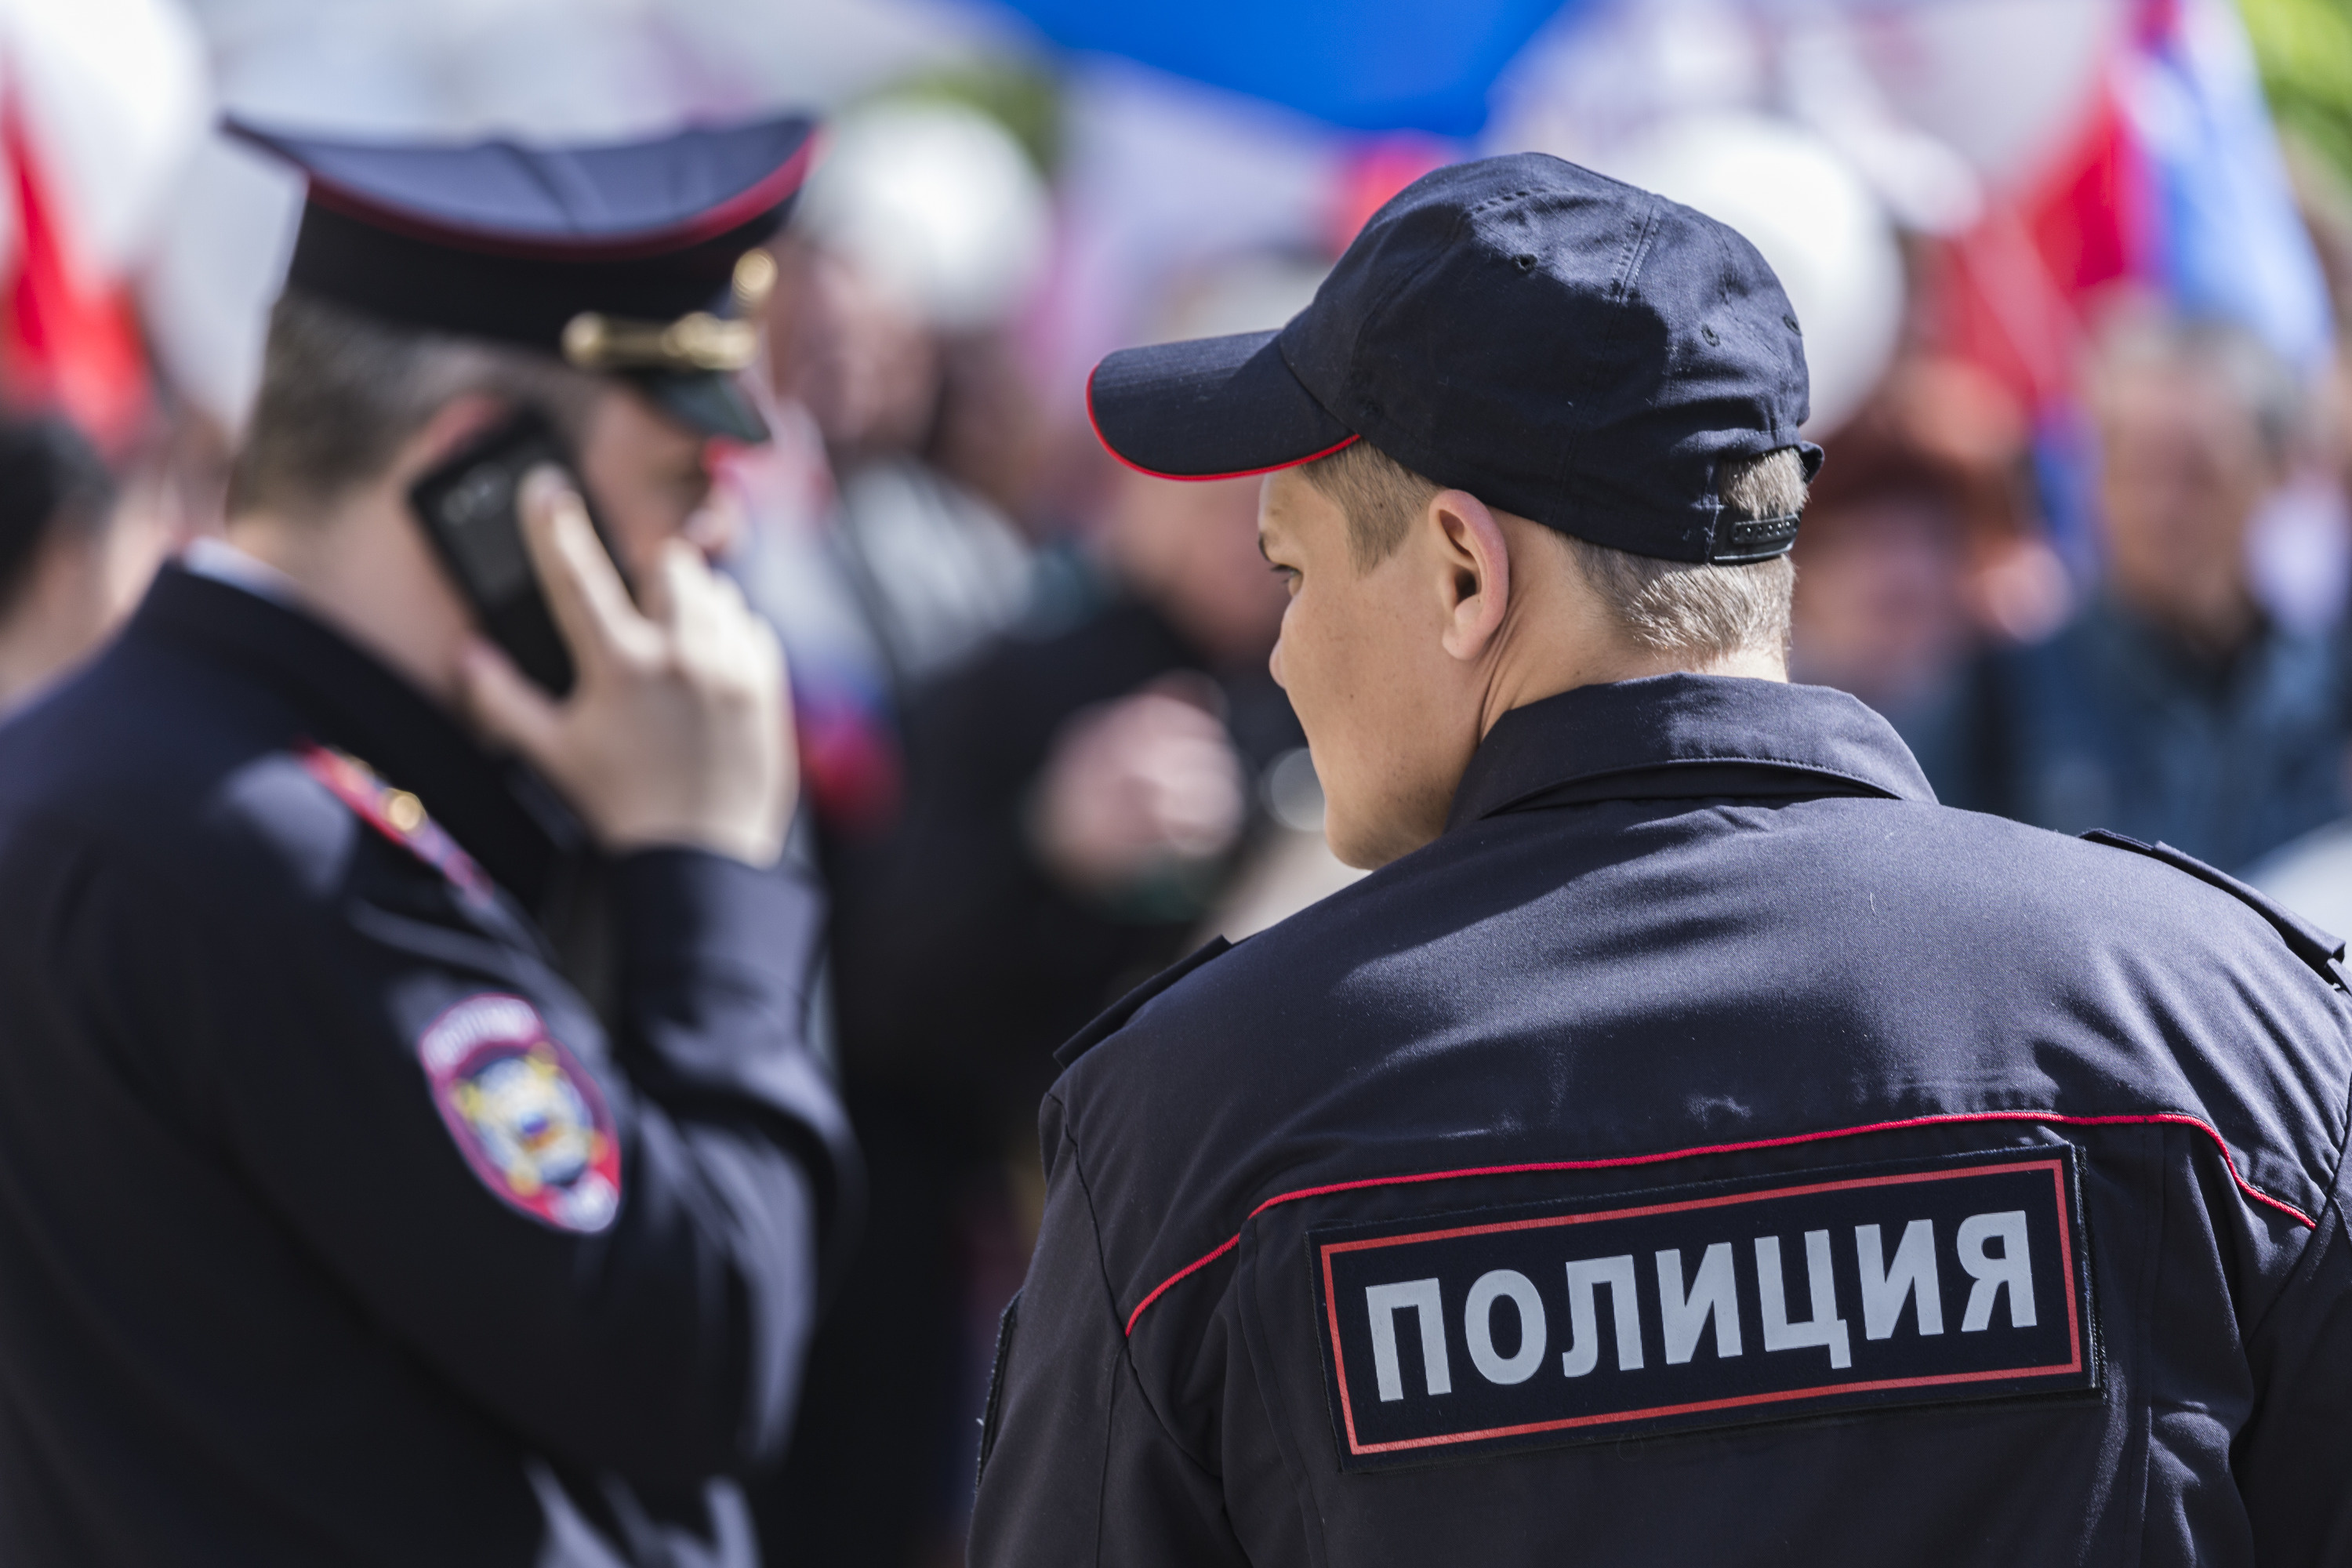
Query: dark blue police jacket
x=335 y=1226
x=1710 y=1149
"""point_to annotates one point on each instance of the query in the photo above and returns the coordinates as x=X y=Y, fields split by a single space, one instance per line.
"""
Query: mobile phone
x=470 y=507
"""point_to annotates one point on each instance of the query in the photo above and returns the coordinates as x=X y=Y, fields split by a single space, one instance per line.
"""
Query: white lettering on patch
x=1478 y=1326
x=1824 y=1329
x=1911 y=1276
x=1714 y=1294
x=2012 y=1270
x=1383 y=1302
x=470 y=1023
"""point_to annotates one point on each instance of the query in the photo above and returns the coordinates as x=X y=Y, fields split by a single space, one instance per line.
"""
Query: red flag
x=2023 y=276
x=68 y=340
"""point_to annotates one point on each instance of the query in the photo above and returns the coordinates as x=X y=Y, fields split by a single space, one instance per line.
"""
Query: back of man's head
x=1547 y=430
x=2198 y=422
x=2243 y=376
x=341 y=392
x=1690 y=612
x=50 y=480
x=1566 y=349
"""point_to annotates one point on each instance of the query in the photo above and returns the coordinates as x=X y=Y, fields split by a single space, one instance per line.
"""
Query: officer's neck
x=362 y=566
x=1557 y=635
x=360 y=562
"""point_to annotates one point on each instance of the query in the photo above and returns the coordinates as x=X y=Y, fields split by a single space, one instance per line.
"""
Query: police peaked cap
x=634 y=258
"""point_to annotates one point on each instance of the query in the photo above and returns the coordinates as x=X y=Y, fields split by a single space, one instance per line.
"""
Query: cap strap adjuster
x=1744 y=539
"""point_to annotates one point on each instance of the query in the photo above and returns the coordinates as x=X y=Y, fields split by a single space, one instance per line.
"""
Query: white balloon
x=2004 y=83
x=568 y=70
x=1813 y=219
x=112 y=98
x=219 y=256
x=934 y=201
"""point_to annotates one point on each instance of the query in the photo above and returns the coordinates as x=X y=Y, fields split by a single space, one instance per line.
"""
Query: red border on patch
x=2065 y=1241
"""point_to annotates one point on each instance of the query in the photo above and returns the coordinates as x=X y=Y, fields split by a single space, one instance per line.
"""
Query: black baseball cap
x=637 y=259
x=1559 y=344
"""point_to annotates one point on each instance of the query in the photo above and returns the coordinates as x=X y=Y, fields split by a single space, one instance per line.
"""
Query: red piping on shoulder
x=2172 y=1118
x=1125 y=461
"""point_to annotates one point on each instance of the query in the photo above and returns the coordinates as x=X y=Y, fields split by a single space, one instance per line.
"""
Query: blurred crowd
x=2082 y=533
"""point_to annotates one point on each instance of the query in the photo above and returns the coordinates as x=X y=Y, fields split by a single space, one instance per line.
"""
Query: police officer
x=369 y=1191
x=1691 y=1143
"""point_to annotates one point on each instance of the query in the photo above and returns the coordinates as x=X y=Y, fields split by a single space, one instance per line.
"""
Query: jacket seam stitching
x=1110 y=1299
x=2343 y=1235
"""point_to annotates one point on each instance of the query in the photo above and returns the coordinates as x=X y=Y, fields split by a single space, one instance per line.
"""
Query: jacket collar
x=1684 y=736
x=501 y=813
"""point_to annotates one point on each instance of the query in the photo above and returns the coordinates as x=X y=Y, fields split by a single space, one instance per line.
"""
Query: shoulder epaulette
x=1114 y=1018
x=393 y=813
x=2322 y=950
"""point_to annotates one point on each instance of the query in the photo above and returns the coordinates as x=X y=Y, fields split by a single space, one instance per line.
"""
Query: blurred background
x=2072 y=276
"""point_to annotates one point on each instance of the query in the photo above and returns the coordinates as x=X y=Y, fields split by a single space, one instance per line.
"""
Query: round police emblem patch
x=528 y=1119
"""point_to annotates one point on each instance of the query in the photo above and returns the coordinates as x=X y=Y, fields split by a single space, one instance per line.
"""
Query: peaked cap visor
x=713 y=403
x=1210 y=408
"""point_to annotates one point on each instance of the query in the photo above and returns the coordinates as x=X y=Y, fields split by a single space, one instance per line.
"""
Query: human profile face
x=852 y=353
x=2183 y=469
x=649 y=479
x=1391 y=716
x=1191 y=551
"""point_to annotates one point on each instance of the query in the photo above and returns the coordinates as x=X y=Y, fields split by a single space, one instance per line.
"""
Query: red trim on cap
x=768 y=190
x=1125 y=461
x=2172 y=1118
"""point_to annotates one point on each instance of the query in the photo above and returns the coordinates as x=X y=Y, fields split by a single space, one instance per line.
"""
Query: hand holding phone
x=677 y=730
x=470 y=506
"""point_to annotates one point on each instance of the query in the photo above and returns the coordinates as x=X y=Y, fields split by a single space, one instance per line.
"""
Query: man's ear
x=1476 y=575
x=457 y=422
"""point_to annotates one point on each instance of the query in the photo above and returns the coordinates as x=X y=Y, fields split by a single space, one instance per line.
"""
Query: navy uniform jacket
x=335 y=1226
x=1708 y=1149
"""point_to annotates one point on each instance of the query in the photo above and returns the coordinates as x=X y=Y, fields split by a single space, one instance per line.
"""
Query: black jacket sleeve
x=1081 y=1468
x=2291 y=1460
x=284 y=1006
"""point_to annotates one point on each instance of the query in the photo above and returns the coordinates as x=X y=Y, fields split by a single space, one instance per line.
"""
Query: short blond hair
x=1688 y=610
